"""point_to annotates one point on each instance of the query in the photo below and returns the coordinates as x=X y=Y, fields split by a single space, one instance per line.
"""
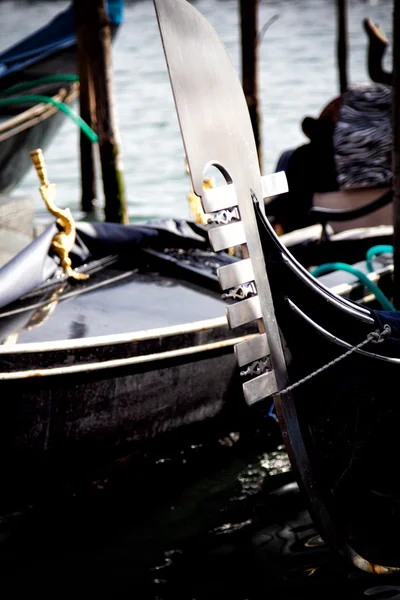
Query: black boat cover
x=36 y=263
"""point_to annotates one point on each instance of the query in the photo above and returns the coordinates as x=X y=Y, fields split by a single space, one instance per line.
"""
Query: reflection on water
x=184 y=526
x=214 y=521
x=297 y=77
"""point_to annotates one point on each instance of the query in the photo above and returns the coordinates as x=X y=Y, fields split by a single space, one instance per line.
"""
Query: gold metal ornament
x=64 y=240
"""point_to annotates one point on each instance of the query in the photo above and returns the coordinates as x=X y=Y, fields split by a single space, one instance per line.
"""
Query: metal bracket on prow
x=216 y=131
x=238 y=281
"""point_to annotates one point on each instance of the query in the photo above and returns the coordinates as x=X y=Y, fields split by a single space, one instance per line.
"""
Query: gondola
x=36 y=75
x=330 y=365
x=116 y=348
x=119 y=347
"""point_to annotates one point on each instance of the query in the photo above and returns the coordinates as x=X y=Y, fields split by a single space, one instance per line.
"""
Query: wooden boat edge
x=37 y=113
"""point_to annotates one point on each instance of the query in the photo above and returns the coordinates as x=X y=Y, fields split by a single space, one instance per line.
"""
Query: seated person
x=349 y=148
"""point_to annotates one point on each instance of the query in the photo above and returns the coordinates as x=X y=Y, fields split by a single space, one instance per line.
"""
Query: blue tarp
x=57 y=35
x=115 y=10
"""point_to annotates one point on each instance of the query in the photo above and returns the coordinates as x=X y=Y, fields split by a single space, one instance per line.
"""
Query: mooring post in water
x=98 y=44
x=249 y=39
x=396 y=152
x=87 y=109
x=342 y=43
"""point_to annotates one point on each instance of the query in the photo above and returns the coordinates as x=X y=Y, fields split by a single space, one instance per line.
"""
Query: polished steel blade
x=216 y=130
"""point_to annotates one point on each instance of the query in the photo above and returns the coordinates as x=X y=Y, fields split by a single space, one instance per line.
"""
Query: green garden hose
x=380 y=249
x=338 y=266
x=60 y=105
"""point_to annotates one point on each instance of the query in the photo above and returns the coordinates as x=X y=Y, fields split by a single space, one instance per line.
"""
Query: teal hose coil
x=338 y=266
x=374 y=251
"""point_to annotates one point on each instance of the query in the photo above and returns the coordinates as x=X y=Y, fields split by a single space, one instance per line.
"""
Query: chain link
x=376 y=337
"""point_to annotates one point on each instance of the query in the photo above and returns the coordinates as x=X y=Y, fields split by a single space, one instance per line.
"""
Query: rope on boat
x=60 y=105
x=27 y=85
x=88 y=131
x=376 y=337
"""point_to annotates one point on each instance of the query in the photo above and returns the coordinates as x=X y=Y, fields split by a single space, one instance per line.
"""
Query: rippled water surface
x=297 y=77
x=221 y=521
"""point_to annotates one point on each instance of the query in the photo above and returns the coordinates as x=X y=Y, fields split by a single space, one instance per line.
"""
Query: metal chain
x=375 y=337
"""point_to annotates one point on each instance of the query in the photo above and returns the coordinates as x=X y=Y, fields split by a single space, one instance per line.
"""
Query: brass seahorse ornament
x=64 y=240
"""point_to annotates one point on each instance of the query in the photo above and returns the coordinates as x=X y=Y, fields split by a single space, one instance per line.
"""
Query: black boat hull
x=118 y=394
x=138 y=358
x=340 y=425
x=338 y=414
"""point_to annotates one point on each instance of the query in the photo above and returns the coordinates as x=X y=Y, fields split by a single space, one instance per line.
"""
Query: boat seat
x=349 y=209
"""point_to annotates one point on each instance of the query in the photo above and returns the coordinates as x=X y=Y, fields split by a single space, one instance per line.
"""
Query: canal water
x=297 y=77
x=223 y=520
x=219 y=520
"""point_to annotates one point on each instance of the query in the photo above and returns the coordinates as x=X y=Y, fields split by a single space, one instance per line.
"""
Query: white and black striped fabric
x=363 y=136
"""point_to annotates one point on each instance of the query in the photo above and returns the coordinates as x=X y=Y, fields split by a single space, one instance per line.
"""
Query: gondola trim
x=124 y=362
x=357 y=311
x=335 y=339
x=121 y=338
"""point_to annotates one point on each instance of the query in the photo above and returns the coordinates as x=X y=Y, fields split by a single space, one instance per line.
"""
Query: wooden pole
x=342 y=44
x=98 y=44
x=87 y=111
x=249 y=39
x=396 y=152
x=377 y=47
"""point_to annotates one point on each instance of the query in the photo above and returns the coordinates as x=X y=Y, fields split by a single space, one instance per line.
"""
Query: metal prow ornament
x=195 y=206
x=216 y=131
x=64 y=240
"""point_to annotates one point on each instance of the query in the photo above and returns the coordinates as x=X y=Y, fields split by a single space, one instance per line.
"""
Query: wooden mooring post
x=250 y=78
x=93 y=24
x=396 y=152
x=87 y=109
x=342 y=44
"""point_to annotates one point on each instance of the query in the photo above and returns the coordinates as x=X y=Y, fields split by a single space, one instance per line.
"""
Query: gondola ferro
x=331 y=366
